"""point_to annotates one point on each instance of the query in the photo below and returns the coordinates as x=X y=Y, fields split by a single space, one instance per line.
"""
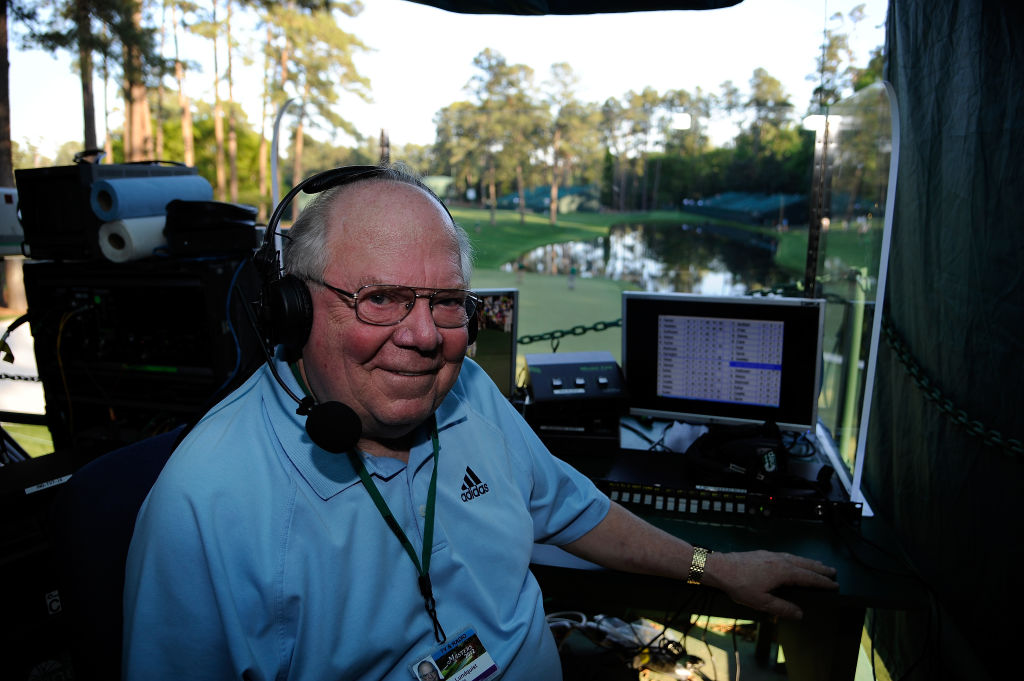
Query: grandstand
x=765 y=210
x=570 y=199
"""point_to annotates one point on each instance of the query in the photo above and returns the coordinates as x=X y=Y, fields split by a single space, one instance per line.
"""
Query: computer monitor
x=735 y=360
x=495 y=346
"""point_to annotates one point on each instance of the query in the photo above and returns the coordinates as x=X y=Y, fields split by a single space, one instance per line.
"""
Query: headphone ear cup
x=288 y=313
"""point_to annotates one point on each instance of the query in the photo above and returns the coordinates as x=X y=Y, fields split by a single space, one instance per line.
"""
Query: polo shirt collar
x=328 y=474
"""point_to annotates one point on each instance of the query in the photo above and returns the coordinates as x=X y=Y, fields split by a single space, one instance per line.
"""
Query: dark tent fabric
x=538 y=7
x=956 y=299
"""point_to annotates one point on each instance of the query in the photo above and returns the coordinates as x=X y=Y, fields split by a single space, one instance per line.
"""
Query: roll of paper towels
x=132 y=238
x=133 y=197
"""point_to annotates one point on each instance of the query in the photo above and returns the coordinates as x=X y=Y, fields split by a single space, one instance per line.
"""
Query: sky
x=422 y=60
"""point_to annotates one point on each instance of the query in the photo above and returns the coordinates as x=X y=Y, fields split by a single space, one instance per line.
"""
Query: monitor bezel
x=799 y=408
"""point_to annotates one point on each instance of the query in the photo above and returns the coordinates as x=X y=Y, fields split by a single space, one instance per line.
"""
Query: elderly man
x=260 y=555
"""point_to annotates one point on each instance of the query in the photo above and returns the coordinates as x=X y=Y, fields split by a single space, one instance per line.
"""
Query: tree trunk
x=285 y=56
x=264 y=179
x=138 y=133
x=187 y=135
x=643 y=183
x=158 y=148
x=657 y=182
x=522 y=194
x=108 y=140
x=492 y=192
x=298 y=149
x=218 y=136
x=188 y=142
x=621 y=167
x=556 y=143
x=232 y=134
x=158 y=141
x=218 y=119
x=85 y=72
x=6 y=160
x=14 y=288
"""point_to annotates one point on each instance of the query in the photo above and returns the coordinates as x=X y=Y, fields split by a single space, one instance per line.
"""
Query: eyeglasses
x=389 y=304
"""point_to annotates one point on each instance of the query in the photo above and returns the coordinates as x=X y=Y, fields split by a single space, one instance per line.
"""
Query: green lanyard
x=422 y=565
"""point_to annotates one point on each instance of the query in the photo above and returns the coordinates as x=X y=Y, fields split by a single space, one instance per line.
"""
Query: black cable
x=711 y=653
x=652 y=445
x=661 y=440
x=801 y=446
x=266 y=353
x=232 y=288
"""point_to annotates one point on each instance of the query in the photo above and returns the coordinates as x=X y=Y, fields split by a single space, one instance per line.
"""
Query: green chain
x=934 y=394
x=930 y=391
x=556 y=336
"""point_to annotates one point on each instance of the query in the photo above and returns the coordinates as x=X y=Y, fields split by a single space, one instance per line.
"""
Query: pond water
x=668 y=256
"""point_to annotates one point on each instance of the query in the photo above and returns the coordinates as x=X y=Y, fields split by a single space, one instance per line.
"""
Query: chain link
x=556 y=336
x=935 y=395
x=930 y=391
x=18 y=377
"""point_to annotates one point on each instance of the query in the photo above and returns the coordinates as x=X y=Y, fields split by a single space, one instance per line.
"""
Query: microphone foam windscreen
x=334 y=426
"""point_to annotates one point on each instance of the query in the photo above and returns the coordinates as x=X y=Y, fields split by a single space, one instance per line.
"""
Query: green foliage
x=835 y=75
x=314 y=60
x=529 y=135
x=872 y=73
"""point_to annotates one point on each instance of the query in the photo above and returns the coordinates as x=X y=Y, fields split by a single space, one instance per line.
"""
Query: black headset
x=285 y=311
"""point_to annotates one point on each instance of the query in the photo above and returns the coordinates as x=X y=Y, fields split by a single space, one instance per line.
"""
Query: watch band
x=700 y=557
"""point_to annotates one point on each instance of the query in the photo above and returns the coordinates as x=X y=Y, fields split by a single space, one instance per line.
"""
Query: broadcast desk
x=822 y=646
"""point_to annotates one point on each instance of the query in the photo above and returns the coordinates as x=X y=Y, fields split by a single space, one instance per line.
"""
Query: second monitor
x=495 y=347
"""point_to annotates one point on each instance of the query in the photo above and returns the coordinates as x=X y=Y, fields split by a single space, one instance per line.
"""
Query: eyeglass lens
x=381 y=304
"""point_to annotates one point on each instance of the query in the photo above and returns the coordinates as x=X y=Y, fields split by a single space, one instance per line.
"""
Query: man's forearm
x=624 y=541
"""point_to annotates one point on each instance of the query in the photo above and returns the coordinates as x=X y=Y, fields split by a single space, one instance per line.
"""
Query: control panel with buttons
x=574 y=375
x=722 y=504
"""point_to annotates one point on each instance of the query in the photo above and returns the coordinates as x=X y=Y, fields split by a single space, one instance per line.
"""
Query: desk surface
x=871 y=572
x=871 y=568
x=823 y=646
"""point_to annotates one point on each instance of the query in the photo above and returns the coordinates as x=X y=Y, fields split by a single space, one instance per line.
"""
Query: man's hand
x=623 y=541
x=749 y=578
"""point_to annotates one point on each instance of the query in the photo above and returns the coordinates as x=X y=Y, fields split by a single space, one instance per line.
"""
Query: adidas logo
x=472 y=486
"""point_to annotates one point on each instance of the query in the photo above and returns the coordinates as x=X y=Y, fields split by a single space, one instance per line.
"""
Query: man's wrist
x=697 y=564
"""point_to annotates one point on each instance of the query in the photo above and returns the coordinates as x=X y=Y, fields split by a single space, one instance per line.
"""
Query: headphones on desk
x=284 y=311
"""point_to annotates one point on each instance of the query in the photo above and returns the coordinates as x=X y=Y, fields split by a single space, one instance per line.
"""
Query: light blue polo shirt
x=258 y=555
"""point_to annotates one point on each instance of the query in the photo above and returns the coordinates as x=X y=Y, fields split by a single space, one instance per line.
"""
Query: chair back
x=92 y=521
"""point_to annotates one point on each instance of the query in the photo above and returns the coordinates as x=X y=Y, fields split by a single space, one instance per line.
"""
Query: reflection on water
x=689 y=258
